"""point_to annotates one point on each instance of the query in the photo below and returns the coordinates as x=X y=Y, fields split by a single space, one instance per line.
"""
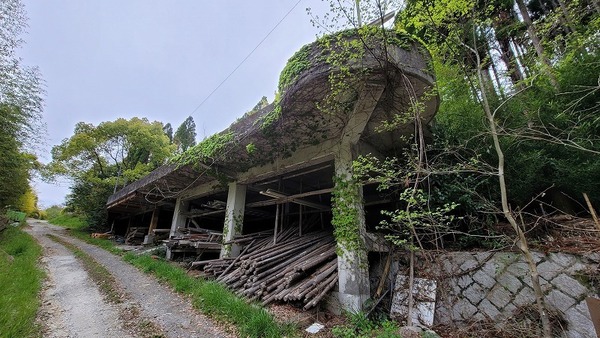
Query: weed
x=21 y=281
x=362 y=327
x=213 y=299
x=69 y=221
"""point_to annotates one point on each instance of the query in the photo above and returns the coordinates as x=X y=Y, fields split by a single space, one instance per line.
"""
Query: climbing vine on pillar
x=346 y=218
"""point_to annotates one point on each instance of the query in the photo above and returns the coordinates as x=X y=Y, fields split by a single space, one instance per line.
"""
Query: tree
x=533 y=107
x=99 y=159
x=21 y=98
x=168 y=130
x=185 y=136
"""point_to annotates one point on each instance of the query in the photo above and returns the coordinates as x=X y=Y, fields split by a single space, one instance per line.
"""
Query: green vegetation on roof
x=205 y=151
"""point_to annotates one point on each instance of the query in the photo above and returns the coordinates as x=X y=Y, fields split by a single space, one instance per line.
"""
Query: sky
x=106 y=59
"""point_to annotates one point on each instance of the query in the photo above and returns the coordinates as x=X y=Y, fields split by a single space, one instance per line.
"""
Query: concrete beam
x=199 y=191
x=234 y=218
x=302 y=158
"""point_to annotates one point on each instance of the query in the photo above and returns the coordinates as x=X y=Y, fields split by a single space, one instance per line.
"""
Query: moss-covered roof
x=300 y=115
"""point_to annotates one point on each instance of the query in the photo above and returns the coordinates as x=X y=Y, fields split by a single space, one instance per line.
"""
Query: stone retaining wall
x=496 y=286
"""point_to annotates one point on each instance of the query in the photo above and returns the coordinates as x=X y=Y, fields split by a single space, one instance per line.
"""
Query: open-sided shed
x=289 y=165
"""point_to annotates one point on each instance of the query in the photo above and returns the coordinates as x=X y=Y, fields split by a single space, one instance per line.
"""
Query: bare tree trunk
x=519 y=54
x=535 y=40
x=507 y=56
x=522 y=240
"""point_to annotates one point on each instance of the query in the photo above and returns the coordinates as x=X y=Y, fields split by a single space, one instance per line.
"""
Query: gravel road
x=72 y=305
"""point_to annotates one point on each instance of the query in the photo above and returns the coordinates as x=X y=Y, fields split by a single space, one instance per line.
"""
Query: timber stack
x=284 y=267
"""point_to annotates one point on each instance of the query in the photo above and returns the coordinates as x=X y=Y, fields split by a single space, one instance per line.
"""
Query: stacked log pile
x=204 y=241
x=288 y=268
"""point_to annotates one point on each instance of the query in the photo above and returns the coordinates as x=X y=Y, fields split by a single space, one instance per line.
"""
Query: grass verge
x=79 y=229
x=69 y=221
x=214 y=299
x=20 y=283
x=209 y=297
x=109 y=288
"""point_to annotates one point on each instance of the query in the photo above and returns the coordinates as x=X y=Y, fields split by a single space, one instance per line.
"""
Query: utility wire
x=246 y=58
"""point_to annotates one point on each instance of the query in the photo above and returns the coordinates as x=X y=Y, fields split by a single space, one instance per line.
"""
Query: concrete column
x=353 y=264
x=178 y=219
x=234 y=218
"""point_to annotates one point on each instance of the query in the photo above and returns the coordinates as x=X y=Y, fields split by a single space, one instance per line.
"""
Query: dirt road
x=72 y=305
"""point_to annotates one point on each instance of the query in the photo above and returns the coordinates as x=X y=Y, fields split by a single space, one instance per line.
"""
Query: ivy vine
x=345 y=220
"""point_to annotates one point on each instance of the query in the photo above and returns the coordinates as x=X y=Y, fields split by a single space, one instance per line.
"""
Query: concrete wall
x=496 y=286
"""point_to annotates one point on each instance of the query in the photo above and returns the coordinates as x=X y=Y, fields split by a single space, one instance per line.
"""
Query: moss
x=298 y=63
x=205 y=150
x=250 y=148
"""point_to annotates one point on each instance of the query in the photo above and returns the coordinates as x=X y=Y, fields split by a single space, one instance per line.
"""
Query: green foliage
x=16 y=216
x=15 y=168
x=345 y=218
x=213 y=299
x=21 y=90
x=21 y=104
x=100 y=158
x=185 y=136
x=53 y=211
x=205 y=151
x=69 y=221
x=134 y=147
x=416 y=217
x=21 y=281
x=360 y=326
x=168 y=130
x=250 y=148
x=28 y=202
x=298 y=63
x=88 y=198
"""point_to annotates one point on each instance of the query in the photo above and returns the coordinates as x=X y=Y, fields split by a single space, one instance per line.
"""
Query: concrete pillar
x=353 y=264
x=178 y=220
x=234 y=218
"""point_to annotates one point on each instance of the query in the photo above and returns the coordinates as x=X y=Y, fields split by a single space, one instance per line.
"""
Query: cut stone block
x=560 y=301
x=509 y=282
x=499 y=296
x=484 y=279
x=569 y=286
x=489 y=309
x=424 y=295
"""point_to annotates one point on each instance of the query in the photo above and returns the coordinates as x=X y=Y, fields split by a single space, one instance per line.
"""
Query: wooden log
x=236 y=259
x=320 y=296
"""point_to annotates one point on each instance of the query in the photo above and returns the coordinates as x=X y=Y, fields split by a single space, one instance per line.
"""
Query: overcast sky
x=106 y=59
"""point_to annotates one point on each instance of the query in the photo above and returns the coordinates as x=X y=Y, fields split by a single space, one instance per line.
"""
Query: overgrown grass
x=214 y=299
x=69 y=221
x=78 y=227
x=360 y=326
x=20 y=283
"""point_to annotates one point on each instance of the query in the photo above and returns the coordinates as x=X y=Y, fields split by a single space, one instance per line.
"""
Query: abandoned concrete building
x=277 y=169
x=270 y=206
